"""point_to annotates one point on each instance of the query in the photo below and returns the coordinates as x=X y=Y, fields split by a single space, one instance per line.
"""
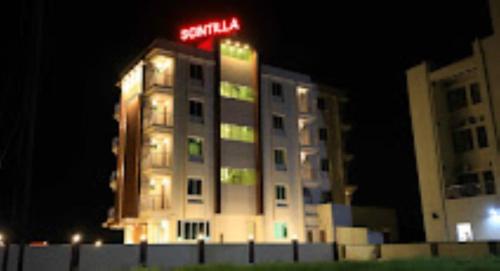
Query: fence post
x=335 y=250
x=251 y=250
x=143 y=252
x=74 y=261
x=295 y=249
x=201 y=251
x=5 y=256
x=434 y=250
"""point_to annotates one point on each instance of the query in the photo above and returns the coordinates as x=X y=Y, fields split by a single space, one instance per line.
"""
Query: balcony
x=467 y=190
x=116 y=113
x=158 y=121
x=157 y=162
x=153 y=203
x=115 y=145
x=113 y=181
x=309 y=176
x=161 y=84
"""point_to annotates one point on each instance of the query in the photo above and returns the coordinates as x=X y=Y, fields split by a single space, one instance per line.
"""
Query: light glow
x=210 y=29
x=98 y=243
x=76 y=238
x=162 y=63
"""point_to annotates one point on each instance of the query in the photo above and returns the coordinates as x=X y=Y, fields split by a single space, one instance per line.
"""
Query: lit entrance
x=464 y=232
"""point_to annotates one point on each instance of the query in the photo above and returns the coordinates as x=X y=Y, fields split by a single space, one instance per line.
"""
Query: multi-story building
x=213 y=144
x=456 y=122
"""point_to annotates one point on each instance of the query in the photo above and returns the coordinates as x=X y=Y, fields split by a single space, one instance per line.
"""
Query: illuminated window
x=238 y=92
x=280 y=231
x=195 y=149
x=191 y=230
x=236 y=132
x=239 y=52
x=241 y=176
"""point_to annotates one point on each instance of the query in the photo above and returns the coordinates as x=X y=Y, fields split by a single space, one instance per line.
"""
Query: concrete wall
x=404 y=251
x=361 y=253
x=463 y=250
x=352 y=236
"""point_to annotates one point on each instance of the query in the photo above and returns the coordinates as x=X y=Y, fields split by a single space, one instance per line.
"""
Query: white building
x=456 y=122
x=214 y=144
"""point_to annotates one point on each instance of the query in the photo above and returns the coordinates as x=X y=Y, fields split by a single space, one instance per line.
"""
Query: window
x=195 y=149
x=239 y=52
x=482 y=137
x=196 y=110
x=321 y=103
x=278 y=123
x=462 y=141
x=280 y=231
x=191 y=230
x=238 y=176
x=475 y=93
x=196 y=72
x=238 y=92
x=280 y=192
x=237 y=133
x=277 y=91
x=279 y=159
x=489 y=183
x=194 y=187
x=323 y=134
x=456 y=99
x=325 y=164
x=464 y=232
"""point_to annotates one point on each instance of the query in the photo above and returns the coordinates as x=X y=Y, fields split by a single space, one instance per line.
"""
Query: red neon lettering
x=220 y=27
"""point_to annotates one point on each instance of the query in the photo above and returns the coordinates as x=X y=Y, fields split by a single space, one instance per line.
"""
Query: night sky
x=362 y=46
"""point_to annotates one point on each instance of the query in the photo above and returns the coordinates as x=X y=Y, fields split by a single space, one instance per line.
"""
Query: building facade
x=216 y=145
x=456 y=120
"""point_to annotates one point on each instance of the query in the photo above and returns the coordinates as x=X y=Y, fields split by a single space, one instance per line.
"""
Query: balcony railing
x=153 y=203
x=157 y=161
x=457 y=191
x=158 y=119
x=160 y=80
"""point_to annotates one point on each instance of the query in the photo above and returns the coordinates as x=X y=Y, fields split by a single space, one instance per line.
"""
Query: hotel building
x=456 y=125
x=214 y=144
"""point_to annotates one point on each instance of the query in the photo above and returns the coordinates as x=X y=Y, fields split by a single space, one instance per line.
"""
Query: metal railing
x=158 y=118
x=157 y=160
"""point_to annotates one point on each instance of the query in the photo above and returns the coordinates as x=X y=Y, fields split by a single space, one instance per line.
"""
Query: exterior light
x=250 y=237
x=201 y=237
x=166 y=181
x=294 y=237
x=1 y=237
x=143 y=238
x=302 y=90
x=154 y=103
x=161 y=63
x=2 y=243
x=237 y=44
x=76 y=238
x=246 y=47
x=98 y=243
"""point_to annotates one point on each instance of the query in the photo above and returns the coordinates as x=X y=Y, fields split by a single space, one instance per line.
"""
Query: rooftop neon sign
x=210 y=29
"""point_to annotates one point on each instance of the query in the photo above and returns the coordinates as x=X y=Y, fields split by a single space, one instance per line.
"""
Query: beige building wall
x=459 y=187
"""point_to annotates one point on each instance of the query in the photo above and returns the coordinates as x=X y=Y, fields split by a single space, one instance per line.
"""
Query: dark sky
x=362 y=46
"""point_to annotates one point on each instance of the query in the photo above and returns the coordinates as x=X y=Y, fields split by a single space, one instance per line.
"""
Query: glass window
x=239 y=176
x=280 y=230
x=195 y=148
x=489 y=183
x=235 y=51
x=238 y=92
x=321 y=103
x=456 y=99
x=280 y=192
x=196 y=72
x=277 y=90
x=196 y=109
x=278 y=122
x=323 y=134
x=237 y=133
x=191 y=230
x=462 y=141
x=325 y=164
x=194 y=187
x=482 y=137
x=475 y=93
x=279 y=159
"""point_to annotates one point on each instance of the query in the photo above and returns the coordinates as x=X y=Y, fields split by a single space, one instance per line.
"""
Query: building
x=456 y=122
x=214 y=144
